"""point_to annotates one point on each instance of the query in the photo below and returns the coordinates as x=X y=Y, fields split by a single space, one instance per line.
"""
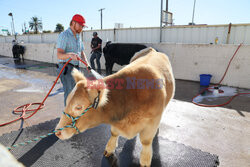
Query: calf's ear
x=100 y=92
x=77 y=75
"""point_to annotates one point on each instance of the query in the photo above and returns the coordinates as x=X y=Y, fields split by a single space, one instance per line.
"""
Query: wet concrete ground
x=223 y=131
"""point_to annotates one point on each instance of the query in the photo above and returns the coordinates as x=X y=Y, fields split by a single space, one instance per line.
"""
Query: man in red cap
x=69 y=45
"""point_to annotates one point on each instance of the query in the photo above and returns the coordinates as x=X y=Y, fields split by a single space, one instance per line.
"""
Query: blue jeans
x=67 y=80
x=97 y=56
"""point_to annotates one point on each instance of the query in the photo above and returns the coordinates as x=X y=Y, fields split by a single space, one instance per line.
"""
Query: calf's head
x=105 y=49
x=80 y=98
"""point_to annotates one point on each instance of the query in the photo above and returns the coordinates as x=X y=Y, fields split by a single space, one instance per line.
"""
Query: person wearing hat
x=69 y=45
x=96 y=46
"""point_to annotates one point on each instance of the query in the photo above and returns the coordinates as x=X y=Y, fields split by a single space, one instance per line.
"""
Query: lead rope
x=57 y=130
x=41 y=105
x=73 y=119
x=72 y=125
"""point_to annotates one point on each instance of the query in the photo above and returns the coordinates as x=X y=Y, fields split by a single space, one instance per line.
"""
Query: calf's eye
x=78 y=107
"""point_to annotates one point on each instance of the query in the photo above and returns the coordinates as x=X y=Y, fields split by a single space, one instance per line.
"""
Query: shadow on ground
x=86 y=149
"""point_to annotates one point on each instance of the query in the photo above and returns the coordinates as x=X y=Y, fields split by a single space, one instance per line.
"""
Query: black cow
x=18 y=50
x=119 y=53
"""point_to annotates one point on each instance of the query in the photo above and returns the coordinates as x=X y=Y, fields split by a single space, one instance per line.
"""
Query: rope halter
x=73 y=119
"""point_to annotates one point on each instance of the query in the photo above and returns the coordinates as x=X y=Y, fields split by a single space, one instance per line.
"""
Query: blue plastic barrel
x=205 y=79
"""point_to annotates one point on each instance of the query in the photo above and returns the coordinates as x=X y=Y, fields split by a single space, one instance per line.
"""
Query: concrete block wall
x=47 y=52
x=188 y=34
x=188 y=60
x=6 y=49
x=191 y=60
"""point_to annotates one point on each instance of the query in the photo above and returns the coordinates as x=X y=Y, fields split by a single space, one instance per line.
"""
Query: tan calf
x=131 y=101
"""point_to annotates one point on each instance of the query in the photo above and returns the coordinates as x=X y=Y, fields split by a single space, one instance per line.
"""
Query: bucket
x=205 y=79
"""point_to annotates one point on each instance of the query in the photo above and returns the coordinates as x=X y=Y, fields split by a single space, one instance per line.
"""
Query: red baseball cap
x=79 y=19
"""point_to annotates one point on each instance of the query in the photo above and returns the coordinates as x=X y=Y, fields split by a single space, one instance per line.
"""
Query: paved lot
x=223 y=131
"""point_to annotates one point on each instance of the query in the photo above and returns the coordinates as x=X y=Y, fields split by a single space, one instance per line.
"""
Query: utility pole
x=166 y=24
x=11 y=28
x=161 y=21
x=166 y=5
x=100 y=10
x=193 y=13
x=10 y=14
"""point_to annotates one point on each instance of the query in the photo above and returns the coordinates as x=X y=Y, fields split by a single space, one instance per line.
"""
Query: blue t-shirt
x=69 y=43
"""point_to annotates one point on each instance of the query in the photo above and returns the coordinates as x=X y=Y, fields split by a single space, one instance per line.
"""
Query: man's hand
x=73 y=56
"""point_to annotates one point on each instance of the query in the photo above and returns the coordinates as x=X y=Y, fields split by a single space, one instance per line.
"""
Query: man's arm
x=98 y=46
x=91 y=45
x=64 y=56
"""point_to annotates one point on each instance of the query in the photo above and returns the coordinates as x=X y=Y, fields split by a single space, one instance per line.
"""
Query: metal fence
x=195 y=34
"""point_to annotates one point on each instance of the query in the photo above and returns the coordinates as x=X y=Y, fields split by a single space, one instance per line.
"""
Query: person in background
x=96 y=46
x=69 y=45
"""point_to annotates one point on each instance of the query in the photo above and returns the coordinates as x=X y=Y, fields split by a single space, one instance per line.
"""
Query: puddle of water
x=35 y=84
x=29 y=90
x=228 y=92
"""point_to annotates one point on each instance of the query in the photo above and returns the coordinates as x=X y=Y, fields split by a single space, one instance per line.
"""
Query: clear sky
x=132 y=13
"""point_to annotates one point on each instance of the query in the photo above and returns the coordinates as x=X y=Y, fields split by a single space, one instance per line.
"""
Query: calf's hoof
x=107 y=154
